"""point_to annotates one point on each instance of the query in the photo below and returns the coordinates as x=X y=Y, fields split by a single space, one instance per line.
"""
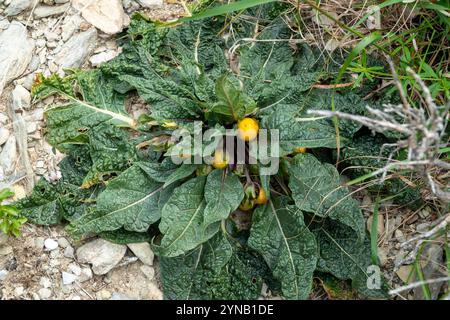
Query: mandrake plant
x=220 y=230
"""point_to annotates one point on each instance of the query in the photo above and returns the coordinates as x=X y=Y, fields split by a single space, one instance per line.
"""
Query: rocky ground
x=395 y=226
x=43 y=264
x=47 y=36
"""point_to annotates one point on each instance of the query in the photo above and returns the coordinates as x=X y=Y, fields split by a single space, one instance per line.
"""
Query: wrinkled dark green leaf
x=217 y=269
x=184 y=171
x=316 y=189
x=159 y=171
x=223 y=194
x=182 y=219
x=232 y=101
x=68 y=123
x=343 y=255
x=281 y=236
x=122 y=236
x=131 y=201
x=294 y=134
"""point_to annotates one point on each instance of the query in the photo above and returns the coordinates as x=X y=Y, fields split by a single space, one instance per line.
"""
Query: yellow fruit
x=300 y=150
x=220 y=160
x=262 y=199
x=248 y=129
x=246 y=205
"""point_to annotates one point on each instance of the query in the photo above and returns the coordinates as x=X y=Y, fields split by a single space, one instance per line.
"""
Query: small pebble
x=423 y=227
x=45 y=282
x=44 y=293
x=63 y=243
x=382 y=254
x=6 y=250
x=143 y=251
x=3 y=274
x=31 y=127
x=40 y=43
x=86 y=275
x=69 y=252
x=50 y=244
x=50 y=36
x=103 y=295
x=74 y=268
x=55 y=254
x=119 y=296
x=399 y=235
x=406 y=274
x=425 y=213
x=3 y=118
x=54 y=263
x=66 y=288
x=68 y=278
x=48 y=100
x=18 y=291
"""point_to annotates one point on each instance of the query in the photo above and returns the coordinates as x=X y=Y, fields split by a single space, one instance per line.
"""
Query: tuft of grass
x=413 y=34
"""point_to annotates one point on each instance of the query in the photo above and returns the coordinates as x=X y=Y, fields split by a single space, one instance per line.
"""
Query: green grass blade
x=364 y=43
x=374 y=233
x=225 y=9
x=360 y=179
x=437 y=7
x=421 y=277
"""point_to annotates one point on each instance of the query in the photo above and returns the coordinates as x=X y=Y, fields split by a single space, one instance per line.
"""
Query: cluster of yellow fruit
x=248 y=129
